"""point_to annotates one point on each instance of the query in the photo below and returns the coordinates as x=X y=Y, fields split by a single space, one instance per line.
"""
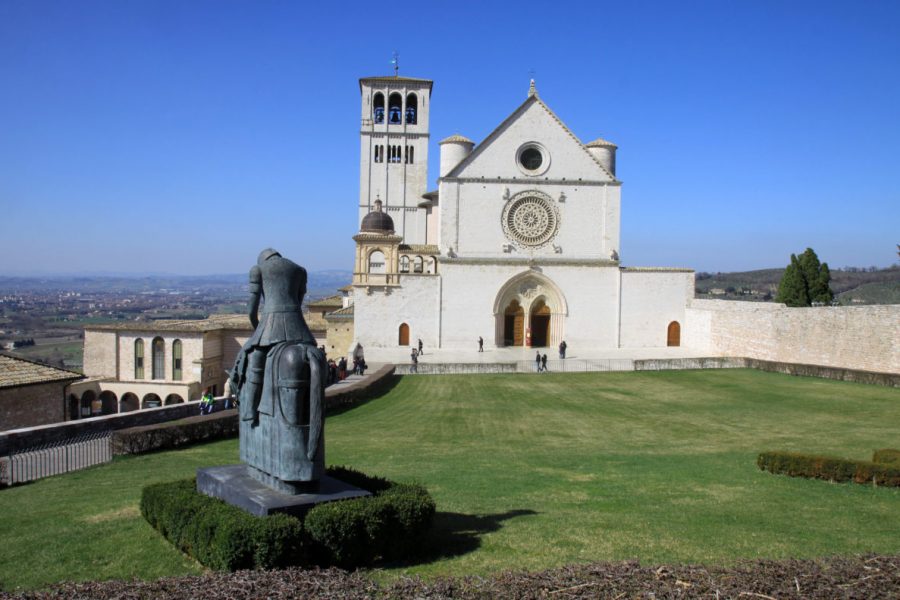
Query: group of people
x=337 y=371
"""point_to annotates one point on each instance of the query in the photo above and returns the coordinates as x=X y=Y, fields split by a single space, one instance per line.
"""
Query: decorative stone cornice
x=394 y=135
x=523 y=181
x=655 y=270
x=529 y=261
x=377 y=237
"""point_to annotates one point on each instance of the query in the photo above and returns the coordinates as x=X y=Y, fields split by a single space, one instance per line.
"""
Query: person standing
x=480 y=344
x=544 y=363
x=562 y=349
x=420 y=347
x=537 y=362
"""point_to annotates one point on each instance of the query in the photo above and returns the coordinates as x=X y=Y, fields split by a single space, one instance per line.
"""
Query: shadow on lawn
x=455 y=534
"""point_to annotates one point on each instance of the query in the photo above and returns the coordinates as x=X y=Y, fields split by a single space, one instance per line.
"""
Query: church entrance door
x=514 y=325
x=540 y=324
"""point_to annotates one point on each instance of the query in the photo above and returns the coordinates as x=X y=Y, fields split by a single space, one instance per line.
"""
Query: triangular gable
x=498 y=131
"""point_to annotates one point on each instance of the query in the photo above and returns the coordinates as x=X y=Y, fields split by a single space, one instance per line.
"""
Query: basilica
x=519 y=244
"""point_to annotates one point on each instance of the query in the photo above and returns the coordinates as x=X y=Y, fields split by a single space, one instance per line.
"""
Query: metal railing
x=58 y=457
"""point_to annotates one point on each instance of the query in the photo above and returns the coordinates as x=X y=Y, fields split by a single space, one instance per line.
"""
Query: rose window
x=530 y=219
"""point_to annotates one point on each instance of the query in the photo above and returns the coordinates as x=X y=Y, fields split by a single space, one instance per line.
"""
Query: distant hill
x=850 y=286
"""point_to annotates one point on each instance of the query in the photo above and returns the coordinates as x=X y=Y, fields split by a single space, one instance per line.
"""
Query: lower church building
x=519 y=245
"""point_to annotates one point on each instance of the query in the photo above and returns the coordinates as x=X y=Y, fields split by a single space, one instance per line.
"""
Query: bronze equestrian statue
x=279 y=381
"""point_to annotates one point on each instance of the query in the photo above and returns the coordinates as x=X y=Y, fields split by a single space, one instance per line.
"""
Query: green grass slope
x=534 y=471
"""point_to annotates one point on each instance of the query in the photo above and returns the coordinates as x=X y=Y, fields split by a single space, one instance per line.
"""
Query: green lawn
x=533 y=471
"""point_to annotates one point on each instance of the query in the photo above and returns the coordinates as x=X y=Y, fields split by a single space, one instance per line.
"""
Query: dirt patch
x=126 y=512
x=850 y=578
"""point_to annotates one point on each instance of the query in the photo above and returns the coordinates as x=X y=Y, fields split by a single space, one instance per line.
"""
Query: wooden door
x=673 y=335
x=404 y=335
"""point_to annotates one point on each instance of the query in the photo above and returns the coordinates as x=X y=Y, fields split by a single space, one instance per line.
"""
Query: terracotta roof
x=341 y=313
x=421 y=248
x=213 y=323
x=18 y=371
x=329 y=301
x=600 y=143
x=456 y=138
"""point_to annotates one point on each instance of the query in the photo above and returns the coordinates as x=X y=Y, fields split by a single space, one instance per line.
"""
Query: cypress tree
x=805 y=281
x=792 y=289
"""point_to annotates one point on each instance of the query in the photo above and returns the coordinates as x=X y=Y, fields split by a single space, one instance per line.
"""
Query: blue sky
x=184 y=136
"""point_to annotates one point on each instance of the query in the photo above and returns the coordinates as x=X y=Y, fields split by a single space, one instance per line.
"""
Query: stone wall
x=101 y=357
x=32 y=405
x=865 y=338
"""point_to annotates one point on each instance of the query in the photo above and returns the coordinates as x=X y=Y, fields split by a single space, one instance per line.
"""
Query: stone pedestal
x=235 y=485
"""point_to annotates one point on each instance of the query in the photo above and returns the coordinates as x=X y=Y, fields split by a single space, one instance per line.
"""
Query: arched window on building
x=673 y=334
x=376 y=262
x=412 y=106
x=378 y=108
x=418 y=264
x=157 y=368
x=395 y=108
x=408 y=157
x=404 y=264
x=139 y=358
x=176 y=360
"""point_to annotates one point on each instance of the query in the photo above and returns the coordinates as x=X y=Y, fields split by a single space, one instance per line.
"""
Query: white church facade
x=519 y=245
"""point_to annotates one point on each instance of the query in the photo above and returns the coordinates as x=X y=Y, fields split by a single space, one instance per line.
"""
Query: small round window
x=531 y=159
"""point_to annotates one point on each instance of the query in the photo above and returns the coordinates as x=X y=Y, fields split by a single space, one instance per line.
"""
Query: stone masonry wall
x=32 y=405
x=851 y=337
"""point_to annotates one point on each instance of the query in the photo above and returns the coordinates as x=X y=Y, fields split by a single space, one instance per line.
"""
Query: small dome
x=377 y=221
x=456 y=139
x=600 y=143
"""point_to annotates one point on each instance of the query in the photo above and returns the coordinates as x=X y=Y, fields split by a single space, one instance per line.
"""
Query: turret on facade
x=605 y=152
x=454 y=150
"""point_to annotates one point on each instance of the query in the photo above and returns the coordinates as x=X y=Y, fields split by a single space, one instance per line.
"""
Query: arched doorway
x=108 y=403
x=530 y=309
x=128 y=403
x=173 y=399
x=673 y=334
x=514 y=325
x=87 y=401
x=540 y=323
x=151 y=401
x=403 y=335
x=73 y=407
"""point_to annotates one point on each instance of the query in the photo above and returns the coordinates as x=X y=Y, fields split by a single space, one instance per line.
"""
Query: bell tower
x=393 y=164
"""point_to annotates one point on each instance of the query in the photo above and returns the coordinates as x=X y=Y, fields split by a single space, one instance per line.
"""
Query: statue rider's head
x=266 y=255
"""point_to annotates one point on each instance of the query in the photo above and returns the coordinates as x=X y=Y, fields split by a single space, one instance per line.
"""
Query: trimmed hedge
x=829 y=468
x=887 y=456
x=388 y=525
x=163 y=436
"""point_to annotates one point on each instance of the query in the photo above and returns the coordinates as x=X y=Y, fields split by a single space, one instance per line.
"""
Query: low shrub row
x=829 y=468
x=163 y=436
x=388 y=525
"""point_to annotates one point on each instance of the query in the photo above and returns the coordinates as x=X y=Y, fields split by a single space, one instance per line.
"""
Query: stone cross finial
x=532 y=91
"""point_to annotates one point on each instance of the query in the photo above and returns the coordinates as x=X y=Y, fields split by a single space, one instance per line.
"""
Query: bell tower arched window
x=378 y=108
x=412 y=108
x=376 y=262
x=395 y=108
